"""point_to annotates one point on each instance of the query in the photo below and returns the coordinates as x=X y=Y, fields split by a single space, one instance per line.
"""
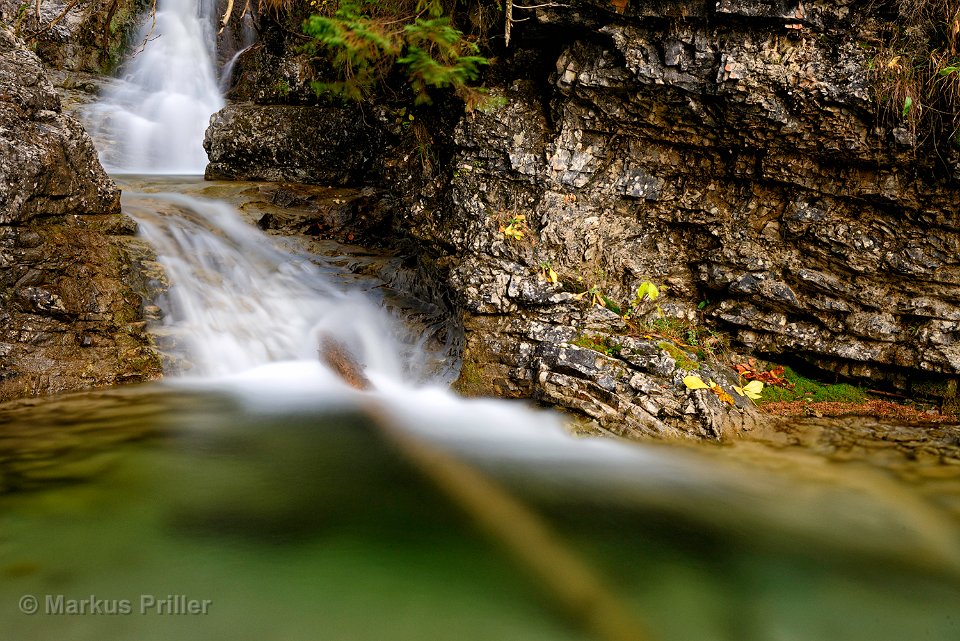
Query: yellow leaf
x=753 y=389
x=647 y=289
x=552 y=276
x=694 y=382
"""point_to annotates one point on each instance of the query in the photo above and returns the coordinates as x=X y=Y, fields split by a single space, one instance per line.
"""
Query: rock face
x=68 y=317
x=312 y=144
x=731 y=154
x=88 y=36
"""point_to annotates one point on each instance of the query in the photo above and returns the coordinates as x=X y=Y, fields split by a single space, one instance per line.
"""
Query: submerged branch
x=506 y=520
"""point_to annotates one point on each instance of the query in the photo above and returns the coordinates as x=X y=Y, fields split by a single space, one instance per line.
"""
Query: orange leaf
x=721 y=394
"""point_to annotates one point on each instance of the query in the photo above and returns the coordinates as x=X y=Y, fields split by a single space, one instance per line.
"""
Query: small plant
x=546 y=270
x=703 y=339
x=596 y=297
x=515 y=228
x=646 y=291
x=914 y=70
x=367 y=40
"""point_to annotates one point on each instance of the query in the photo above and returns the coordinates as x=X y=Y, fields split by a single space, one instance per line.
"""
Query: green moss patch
x=684 y=361
x=603 y=344
x=805 y=389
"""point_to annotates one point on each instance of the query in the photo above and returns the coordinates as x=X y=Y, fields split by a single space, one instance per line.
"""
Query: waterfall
x=239 y=299
x=152 y=120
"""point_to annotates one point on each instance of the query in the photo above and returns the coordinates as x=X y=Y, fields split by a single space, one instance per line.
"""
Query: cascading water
x=238 y=301
x=153 y=119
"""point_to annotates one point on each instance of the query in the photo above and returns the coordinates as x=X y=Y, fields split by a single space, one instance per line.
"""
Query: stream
x=254 y=494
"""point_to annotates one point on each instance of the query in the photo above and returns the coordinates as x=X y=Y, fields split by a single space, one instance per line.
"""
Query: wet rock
x=731 y=161
x=69 y=315
x=311 y=144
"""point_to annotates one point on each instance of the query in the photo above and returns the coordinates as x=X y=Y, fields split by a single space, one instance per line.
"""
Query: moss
x=471 y=381
x=814 y=391
x=683 y=359
x=706 y=341
x=603 y=344
x=120 y=32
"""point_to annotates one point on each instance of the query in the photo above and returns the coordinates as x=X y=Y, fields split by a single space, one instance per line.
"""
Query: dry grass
x=916 y=70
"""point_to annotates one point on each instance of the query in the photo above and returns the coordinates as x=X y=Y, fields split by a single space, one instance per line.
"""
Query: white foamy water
x=153 y=119
x=238 y=302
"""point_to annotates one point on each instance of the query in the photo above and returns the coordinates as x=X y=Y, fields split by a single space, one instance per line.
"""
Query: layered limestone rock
x=730 y=153
x=69 y=317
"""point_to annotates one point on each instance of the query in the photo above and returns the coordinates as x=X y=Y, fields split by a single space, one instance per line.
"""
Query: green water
x=308 y=524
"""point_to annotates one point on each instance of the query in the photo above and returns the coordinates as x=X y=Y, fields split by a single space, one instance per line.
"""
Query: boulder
x=311 y=144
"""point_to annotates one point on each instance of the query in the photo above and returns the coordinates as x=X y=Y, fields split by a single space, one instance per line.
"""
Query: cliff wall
x=69 y=316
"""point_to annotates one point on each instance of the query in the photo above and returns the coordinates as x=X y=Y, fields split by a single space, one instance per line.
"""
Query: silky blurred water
x=153 y=118
x=307 y=523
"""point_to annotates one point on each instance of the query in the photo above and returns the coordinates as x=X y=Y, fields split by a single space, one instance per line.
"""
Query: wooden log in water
x=520 y=531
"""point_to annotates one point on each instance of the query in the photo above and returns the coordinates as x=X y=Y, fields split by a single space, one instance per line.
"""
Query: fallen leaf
x=694 y=382
x=721 y=394
x=751 y=390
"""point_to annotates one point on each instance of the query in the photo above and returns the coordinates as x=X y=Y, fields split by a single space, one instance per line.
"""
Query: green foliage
x=648 y=290
x=438 y=56
x=610 y=304
x=516 y=227
x=368 y=40
x=603 y=344
x=805 y=389
x=907 y=103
